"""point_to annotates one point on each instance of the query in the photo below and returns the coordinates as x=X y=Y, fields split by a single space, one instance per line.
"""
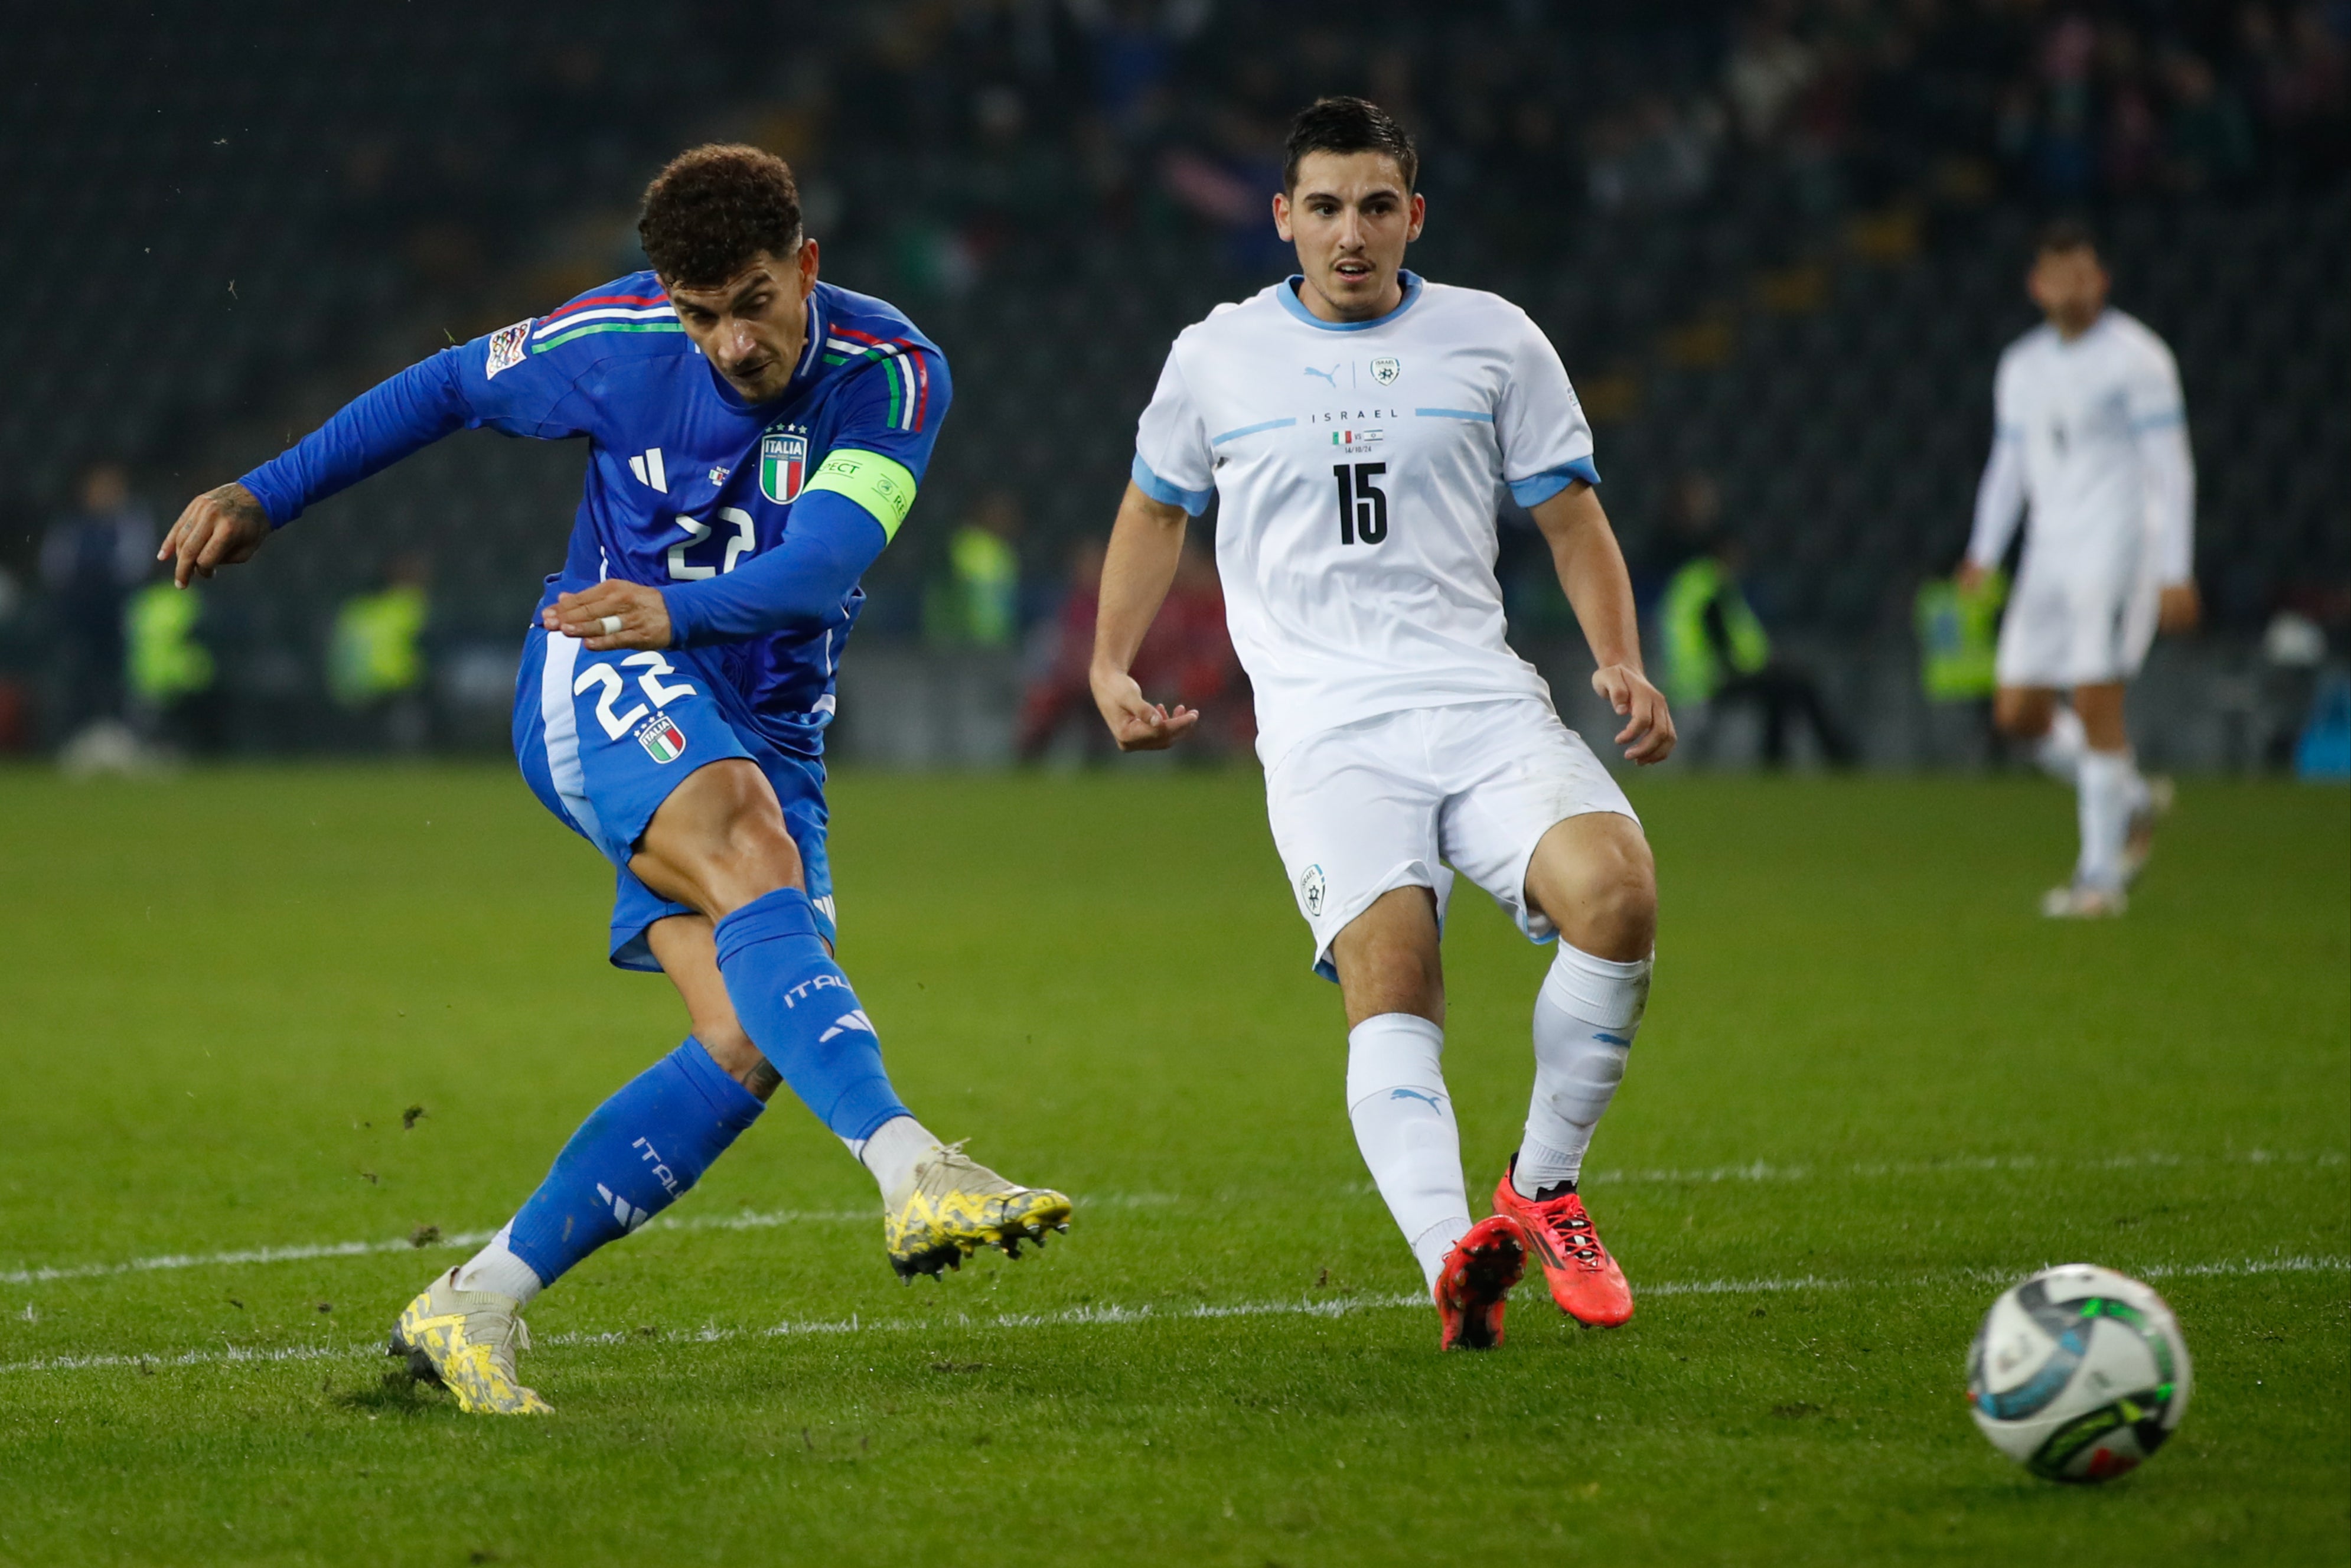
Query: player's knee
x=1611 y=902
x=2022 y=715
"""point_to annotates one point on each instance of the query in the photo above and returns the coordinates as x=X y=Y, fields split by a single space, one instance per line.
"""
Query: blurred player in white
x=2091 y=432
x=1359 y=424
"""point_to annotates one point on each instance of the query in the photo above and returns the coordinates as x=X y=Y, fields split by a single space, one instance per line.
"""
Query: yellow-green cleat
x=958 y=1206
x=467 y=1341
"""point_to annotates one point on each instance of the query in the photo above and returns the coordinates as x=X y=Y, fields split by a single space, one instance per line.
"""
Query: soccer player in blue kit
x=755 y=440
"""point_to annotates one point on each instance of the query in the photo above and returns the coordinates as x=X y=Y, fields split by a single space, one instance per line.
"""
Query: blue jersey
x=687 y=483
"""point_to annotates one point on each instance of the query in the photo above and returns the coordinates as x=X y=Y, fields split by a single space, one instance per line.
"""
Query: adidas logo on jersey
x=647 y=466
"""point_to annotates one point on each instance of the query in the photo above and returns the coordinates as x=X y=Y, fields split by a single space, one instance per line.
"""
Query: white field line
x=750 y=1220
x=1761 y=1171
x=1113 y=1315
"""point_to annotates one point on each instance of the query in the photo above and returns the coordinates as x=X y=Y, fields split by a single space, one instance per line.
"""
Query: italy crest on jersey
x=663 y=740
x=783 y=463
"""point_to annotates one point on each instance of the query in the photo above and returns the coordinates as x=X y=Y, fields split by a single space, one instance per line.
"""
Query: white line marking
x=1088 y=1316
x=1759 y=1171
x=751 y=1219
x=748 y=1219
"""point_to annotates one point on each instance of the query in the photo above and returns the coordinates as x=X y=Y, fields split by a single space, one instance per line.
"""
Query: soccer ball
x=2078 y=1373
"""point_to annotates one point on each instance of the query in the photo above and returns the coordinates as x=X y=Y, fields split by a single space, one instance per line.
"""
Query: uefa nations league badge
x=783 y=463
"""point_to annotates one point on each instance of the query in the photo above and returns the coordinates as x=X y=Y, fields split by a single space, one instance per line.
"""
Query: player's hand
x=1970 y=576
x=223 y=527
x=613 y=615
x=1136 y=723
x=2179 y=608
x=1648 y=733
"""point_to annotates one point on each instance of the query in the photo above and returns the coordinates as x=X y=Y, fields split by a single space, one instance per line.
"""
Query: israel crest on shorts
x=663 y=740
x=1386 y=369
x=783 y=463
x=1310 y=891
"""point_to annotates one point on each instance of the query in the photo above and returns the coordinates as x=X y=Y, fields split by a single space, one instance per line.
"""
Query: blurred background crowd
x=1778 y=245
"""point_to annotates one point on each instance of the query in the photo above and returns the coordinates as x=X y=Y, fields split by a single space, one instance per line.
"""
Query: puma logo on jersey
x=847 y=1023
x=627 y=1213
x=647 y=466
x=1331 y=375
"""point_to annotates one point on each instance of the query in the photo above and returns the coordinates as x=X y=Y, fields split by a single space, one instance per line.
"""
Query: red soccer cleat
x=1584 y=1281
x=1473 y=1286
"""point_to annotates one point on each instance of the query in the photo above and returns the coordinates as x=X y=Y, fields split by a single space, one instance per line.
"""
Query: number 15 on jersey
x=1363 y=505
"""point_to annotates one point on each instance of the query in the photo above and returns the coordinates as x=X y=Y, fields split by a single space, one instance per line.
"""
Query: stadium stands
x=1779 y=242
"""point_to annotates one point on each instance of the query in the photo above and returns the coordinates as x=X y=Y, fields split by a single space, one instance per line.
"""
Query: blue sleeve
x=492 y=381
x=830 y=537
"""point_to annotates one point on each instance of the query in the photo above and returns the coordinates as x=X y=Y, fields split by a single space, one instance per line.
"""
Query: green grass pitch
x=1872 y=1087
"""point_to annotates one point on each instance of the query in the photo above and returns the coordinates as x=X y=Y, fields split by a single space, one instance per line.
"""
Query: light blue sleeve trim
x=1454 y=413
x=2158 y=421
x=1194 y=502
x=1287 y=291
x=1536 y=488
x=1250 y=430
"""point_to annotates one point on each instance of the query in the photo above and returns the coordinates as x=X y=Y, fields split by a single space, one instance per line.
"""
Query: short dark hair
x=1348 y=125
x=714 y=209
x=2062 y=234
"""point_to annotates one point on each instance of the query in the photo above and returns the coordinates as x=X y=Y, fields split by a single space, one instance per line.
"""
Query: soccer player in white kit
x=1359 y=424
x=2091 y=432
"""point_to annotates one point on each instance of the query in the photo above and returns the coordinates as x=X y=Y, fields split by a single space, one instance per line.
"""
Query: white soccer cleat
x=2140 y=843
x=467 y=1341
x=2078 y=901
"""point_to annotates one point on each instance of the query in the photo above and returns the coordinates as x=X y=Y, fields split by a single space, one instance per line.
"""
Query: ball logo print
x=1386 y=369
x=2079 y=1374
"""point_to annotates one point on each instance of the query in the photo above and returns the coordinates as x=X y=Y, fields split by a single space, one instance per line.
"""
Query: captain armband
x=882 y=485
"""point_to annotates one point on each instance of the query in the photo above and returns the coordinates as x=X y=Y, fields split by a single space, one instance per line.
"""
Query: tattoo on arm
x=764 y=1079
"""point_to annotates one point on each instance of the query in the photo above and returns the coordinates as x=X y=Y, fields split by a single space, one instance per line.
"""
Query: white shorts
x=2063 y=629
x=1387 y=802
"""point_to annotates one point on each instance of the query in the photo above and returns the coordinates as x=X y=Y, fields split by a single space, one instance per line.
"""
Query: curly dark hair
x=1348 y=125
x=714 y=209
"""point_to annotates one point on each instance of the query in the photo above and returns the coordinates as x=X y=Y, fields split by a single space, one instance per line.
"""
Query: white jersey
x=1359 y=465
x=2091 y=435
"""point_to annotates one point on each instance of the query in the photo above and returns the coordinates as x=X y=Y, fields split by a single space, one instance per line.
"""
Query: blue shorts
x=604 y=737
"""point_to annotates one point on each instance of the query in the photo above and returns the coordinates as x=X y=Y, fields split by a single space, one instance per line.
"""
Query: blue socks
x=630 y=1159
x=643 y=1147
x=797 y=1007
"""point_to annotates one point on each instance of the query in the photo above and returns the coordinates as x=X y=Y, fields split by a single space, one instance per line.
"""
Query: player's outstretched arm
x=223 y=527
x=1146 y=543
x=1592 y=570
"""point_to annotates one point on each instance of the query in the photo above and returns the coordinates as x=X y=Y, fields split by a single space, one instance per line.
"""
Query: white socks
x=896 y=1147
x=498 y=1270
x=1585 y=1017
x=1404 y=1126
x=2111 y=790
x=2059 y=752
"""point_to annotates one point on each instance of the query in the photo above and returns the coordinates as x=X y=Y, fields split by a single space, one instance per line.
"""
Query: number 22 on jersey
x=1363 y=505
